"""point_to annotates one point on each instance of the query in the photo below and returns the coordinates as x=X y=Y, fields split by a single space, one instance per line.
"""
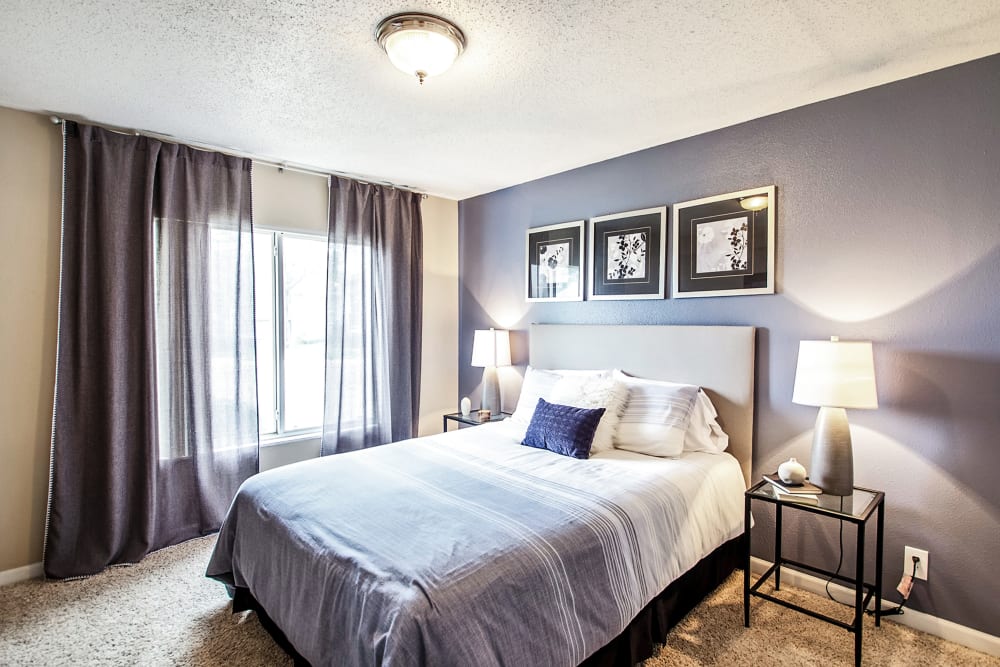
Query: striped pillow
x=656 y=417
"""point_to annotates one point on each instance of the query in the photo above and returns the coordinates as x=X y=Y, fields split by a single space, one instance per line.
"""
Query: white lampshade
x=835 y=374
x=420 y=45
x=491 y=347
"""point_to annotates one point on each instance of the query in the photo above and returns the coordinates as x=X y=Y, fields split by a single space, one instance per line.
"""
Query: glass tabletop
x=473 y=418
x=858 y=505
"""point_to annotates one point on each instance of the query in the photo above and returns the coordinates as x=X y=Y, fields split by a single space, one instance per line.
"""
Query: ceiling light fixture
x=420 y=44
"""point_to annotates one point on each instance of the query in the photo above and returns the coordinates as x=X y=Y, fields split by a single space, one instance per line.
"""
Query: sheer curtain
x=373 y=316
x=155 y=414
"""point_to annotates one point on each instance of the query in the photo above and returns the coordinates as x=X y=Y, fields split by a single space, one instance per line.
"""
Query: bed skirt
x=638 y=641
x=650 y=627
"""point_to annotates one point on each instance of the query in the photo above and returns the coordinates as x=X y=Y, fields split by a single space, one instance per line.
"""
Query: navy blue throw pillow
x=563 y=429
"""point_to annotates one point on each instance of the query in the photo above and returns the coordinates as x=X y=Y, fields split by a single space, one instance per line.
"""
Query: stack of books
x=805 y=493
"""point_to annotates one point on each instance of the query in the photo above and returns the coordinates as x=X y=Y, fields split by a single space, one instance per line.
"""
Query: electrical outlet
x=908 y=555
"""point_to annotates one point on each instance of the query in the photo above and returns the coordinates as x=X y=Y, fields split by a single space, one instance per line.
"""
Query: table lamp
x=834 y=375
x=491 y=348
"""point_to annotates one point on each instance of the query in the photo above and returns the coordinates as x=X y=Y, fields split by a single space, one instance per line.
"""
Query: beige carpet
x=165 y=612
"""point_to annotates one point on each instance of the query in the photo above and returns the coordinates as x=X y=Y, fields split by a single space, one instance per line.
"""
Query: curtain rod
x=203 y=146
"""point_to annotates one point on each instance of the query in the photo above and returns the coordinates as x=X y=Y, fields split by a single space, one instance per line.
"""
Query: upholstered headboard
x=720 y=359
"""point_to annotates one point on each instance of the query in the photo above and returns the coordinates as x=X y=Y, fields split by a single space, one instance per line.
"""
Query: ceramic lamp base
x=832 y=455
x=491 y=390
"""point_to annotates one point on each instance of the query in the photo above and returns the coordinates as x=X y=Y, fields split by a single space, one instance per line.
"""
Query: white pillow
x=539 y=383
x=565 y=372
x=596 y=391
x=704 y=433
x=656 y=417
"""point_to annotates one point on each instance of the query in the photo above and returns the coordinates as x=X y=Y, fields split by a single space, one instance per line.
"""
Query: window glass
x=304 y=322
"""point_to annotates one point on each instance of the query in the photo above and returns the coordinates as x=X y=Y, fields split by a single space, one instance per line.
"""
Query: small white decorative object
x=792 y=472
x=466 y=406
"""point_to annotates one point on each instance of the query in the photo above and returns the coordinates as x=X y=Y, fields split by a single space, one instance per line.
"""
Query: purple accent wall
x=888 y=229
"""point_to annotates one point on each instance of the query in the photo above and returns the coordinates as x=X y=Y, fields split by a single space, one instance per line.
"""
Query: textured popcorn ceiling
x=542 y=87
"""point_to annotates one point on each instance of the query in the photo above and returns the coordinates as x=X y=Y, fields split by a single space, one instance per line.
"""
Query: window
x=290 y=287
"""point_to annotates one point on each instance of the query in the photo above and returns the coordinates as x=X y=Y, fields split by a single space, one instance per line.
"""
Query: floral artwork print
x=738 y=247
x=626 y=257
x=553 y=262
x=722 y=246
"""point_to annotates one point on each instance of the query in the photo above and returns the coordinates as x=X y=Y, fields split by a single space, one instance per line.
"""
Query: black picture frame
x=554 y=262
x=724 y=245
x=628 y=255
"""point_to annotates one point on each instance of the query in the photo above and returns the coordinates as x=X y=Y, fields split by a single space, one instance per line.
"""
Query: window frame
x=278 y=323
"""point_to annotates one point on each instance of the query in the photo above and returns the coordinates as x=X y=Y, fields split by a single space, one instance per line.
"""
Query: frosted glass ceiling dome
x=420 y=45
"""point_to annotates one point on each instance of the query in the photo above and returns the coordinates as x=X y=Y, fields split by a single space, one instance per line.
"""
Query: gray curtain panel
x=155 y=414
x=373 y=316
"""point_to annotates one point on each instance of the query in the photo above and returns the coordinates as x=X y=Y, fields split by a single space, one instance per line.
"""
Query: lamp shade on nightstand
x=834 y=375
x=491 y=348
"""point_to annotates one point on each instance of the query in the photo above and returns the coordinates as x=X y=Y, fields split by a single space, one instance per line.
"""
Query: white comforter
x=468 y=548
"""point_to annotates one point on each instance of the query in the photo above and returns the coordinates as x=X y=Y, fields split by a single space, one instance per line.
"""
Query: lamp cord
x=840 y=564
x=899 y=609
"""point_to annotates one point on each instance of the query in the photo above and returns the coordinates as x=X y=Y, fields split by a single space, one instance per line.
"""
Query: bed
x=468 y=548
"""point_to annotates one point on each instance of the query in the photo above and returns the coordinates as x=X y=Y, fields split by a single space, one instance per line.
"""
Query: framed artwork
x=628 y=255
x=724 y=245
x=555 y=262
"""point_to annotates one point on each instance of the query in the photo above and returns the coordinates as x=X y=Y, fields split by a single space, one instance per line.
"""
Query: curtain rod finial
x=56 y=120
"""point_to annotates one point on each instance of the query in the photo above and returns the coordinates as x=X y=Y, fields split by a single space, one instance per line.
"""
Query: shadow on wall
x=960 y=393
x=929 y=506
x=939 y=378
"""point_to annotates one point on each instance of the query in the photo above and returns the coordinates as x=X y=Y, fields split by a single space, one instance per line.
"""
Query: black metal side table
x=471 y=419
x=856 y=509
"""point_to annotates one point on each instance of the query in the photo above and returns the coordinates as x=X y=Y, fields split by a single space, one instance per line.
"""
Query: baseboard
x=24 y=573
x=918 y=620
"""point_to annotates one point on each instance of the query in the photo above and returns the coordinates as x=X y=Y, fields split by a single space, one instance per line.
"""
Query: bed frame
x=719 y=359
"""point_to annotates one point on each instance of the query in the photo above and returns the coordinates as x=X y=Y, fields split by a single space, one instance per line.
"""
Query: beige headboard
x=720 y=359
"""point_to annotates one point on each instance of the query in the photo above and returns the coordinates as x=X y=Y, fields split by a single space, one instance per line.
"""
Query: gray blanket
x=454 y=550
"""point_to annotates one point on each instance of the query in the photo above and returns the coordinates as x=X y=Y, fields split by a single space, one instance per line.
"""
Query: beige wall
x=30 y=190
x=30 y=193
x=289 y=201
x=439 y=357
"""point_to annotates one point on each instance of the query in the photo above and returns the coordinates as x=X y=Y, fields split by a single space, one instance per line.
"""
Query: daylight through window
x=290 y=277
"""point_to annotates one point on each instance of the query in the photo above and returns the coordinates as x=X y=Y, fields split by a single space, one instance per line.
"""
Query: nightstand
x=472 y=419
x=855 y=509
